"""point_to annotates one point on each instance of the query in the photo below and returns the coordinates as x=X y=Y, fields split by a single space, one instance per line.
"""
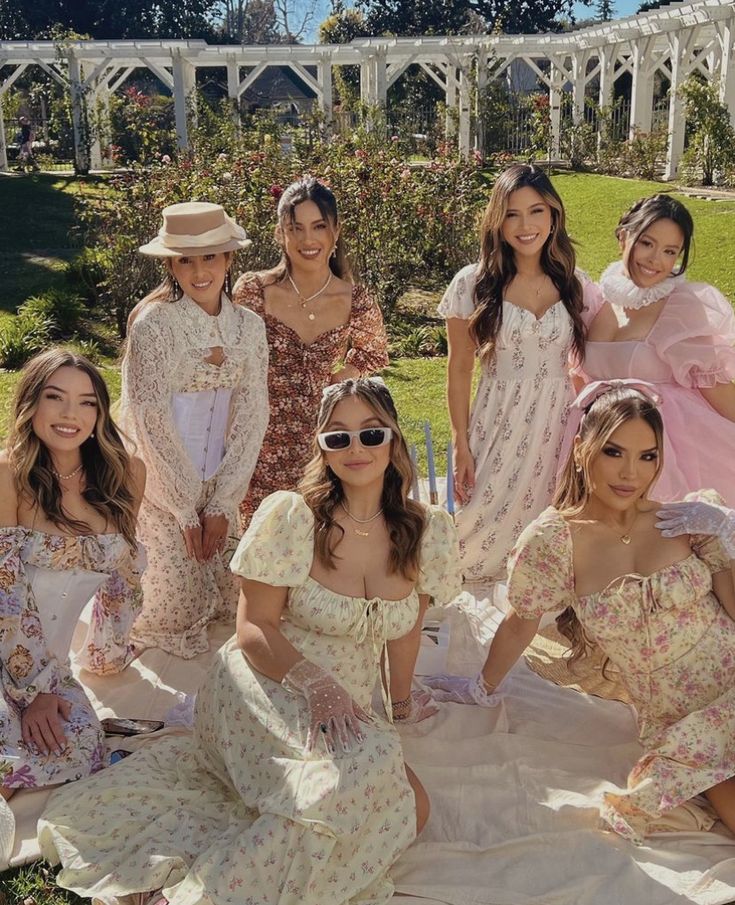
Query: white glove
x=422 y=707
x=460 y=690
x=698 y=517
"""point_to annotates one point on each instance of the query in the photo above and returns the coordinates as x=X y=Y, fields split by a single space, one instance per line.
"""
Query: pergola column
x=727 y=66
x=233 y=90
x=579 y=84
x=3 y=144
x=324 y=76
x=81 y=144
x=184 y=95
x=677 y=119
x=556 y=87
x=450 y=100
x=641 y=98
x=465 y=106
x=481 y=80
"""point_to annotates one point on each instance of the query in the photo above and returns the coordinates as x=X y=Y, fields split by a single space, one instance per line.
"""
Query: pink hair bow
x=597 y=388
x=590 y=394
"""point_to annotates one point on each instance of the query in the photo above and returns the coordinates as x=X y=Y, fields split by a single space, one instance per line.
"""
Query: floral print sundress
x=242 y=814
x=674 y=646
x=298 y=372
x=45 y=581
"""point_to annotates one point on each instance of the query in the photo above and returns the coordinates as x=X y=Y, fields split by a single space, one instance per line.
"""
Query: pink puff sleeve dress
x=691 y=346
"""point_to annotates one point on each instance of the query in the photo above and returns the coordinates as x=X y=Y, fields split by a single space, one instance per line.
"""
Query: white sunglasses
x=368 y=436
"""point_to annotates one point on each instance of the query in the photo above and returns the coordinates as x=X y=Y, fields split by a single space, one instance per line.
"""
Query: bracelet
x=403 y=707
x=489 y=687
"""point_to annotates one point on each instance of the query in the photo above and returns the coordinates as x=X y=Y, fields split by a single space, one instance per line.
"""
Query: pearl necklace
x=66 y=477
x=361 y=521
x=304 y=299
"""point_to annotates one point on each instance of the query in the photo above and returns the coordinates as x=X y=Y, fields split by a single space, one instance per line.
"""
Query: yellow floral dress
x=45 y=581
x=674 y=646
x=241 y=814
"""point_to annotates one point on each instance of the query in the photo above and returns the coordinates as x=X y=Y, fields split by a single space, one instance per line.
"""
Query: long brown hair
x=599 y=422
x=308 y=188
x=498 y=266
x=323 y=492
x=107 y=472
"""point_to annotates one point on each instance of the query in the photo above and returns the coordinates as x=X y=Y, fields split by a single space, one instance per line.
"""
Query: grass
x=39 y=232
x=34 y=885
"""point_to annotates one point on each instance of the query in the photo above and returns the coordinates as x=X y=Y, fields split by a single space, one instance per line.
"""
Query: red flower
x=276 y=191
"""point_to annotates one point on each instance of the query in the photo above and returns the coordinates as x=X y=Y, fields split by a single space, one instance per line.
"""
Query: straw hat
x=195 y=228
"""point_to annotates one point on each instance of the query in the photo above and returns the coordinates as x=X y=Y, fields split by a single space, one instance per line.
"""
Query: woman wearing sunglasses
x=293 y=782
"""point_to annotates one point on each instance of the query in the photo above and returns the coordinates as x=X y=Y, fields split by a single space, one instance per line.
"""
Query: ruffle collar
x=618 y=288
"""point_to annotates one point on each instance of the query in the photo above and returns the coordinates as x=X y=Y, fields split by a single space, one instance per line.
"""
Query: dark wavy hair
x=107 y=473
x=497 y=260
x=646 y=212
x=322 y=489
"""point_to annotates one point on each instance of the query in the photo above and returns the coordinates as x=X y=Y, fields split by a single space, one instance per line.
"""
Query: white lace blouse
x=168 y=345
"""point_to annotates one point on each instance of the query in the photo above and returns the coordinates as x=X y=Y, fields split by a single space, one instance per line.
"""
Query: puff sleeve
x=440 y=574
x=278 y=547
x=28 y=666
x=695 y=336
x=540 y=574
x=459 y=298
x=148 y=372
x=591 y=296
x=368 y=340
x=707 y=546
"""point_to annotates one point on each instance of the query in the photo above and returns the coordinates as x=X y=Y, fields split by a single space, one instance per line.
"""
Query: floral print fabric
x=297 y=374
x=30 y=667
x=167 y=351
x=674 y=646
x=516 y=426
x=241 y=814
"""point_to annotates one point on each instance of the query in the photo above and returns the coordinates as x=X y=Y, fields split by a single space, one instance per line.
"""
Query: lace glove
x=698 y=517
x=332 y=711
x=418 y=706
x=461 y=690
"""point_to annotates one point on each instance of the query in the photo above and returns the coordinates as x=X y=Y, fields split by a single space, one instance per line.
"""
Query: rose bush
x=405 y=223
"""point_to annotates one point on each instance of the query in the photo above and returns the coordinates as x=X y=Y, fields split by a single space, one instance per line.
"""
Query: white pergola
x=677 y=40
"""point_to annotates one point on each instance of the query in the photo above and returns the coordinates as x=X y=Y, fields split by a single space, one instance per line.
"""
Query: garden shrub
x=21 y=337
x=403 y=223
x=644 y=155
x=711 y=148
x=87 y=271
x=61 y=309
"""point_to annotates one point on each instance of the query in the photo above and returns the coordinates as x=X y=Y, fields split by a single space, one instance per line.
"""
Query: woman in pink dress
x=655 y=325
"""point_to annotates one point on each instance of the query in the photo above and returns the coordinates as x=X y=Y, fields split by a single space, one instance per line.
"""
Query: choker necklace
x=618 y=288
x=361 y=521
x=66 y=477
x=304 y=300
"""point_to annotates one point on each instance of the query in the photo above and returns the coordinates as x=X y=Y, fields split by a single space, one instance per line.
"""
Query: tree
x=605 y=10
x=249 y=22
x=712 y=141
x=397 y=17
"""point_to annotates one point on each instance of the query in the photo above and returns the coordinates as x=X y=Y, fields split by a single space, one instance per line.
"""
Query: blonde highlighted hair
x=599 y=422
x=323 y=492
x=107 y=473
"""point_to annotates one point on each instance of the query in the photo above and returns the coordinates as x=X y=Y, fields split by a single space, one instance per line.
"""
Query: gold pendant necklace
x=361 y=521
x=304 y=300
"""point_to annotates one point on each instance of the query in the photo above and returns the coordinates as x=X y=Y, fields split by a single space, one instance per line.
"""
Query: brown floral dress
x=297 y=374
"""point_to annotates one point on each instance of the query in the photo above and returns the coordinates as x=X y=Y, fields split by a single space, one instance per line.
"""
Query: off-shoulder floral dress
x=242 y=814
x=674 y=646
x=297 y=374
x=45 y=581
x=222 y=415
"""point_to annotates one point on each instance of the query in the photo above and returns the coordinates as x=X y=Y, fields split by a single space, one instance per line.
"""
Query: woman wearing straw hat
x=195 y=402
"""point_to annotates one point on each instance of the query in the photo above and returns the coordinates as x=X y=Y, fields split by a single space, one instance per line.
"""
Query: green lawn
x=38 y=232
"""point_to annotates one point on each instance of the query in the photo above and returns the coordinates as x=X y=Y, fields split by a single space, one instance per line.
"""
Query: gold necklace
x=306 y=299
x=361 y=521
x=66 y=477
x=624 y=538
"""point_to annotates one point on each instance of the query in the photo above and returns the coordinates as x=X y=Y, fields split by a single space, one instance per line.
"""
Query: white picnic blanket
x=514 y=789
